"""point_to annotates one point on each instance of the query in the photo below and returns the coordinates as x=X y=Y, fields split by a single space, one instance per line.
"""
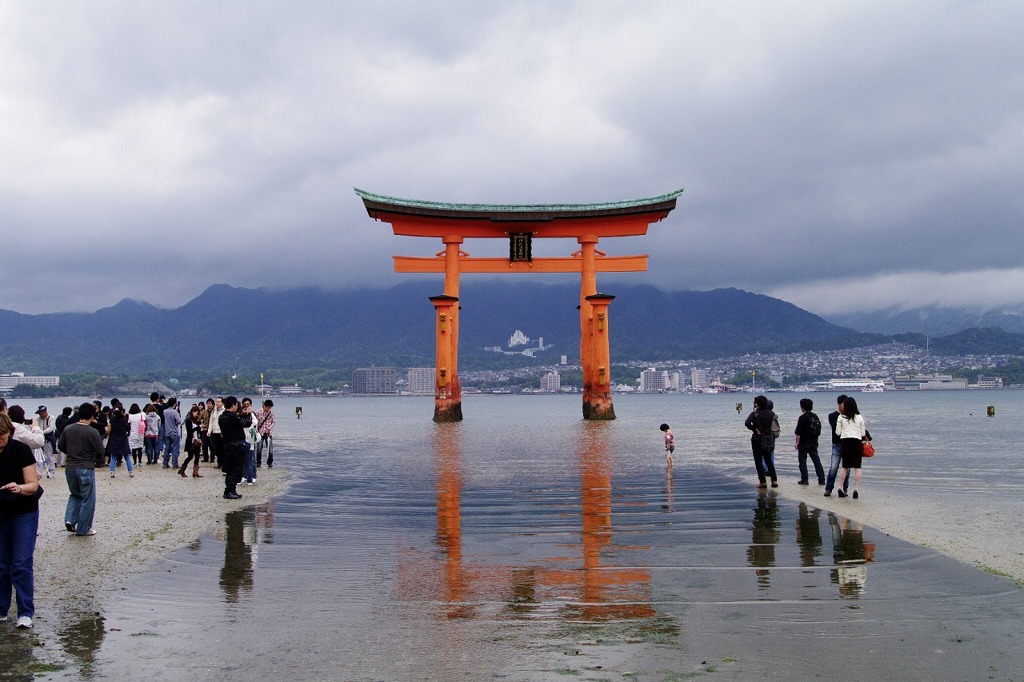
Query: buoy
x=991 y=410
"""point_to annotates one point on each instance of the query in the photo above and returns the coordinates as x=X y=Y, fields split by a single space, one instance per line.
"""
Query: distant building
x=520 y=344
x=698 y=378
x=929 y=382
x=421 y=381
x=9 y=381
x=374 y=380
x=989 y=382
x=551 y=382
x=290 y=390
x=653 y=380
x=856 y=384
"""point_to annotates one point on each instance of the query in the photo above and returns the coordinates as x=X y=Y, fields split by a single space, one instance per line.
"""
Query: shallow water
x=527 y=544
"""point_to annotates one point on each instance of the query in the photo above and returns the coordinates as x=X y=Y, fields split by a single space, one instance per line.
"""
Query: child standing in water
x=670 y=444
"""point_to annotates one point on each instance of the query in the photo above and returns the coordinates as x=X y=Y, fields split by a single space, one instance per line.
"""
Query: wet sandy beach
x=138 y=521
x=645 y=581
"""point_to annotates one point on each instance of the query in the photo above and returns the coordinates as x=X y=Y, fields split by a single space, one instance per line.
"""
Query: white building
x=989 y=382
x=9 y=381
x=698 y=378
x=421 y=381
x=551 y=382
x=653 y=380
x=929 y=382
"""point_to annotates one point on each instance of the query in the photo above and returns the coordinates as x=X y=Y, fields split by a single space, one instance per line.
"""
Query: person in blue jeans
x=837 y=458
x=82 y=444
x=19 y=524
x=172 y=433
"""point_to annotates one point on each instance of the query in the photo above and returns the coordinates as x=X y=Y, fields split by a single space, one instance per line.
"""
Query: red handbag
x=869 y=449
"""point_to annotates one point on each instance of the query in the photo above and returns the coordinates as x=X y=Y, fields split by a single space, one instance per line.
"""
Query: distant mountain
x=932 y=320
x=244 y=330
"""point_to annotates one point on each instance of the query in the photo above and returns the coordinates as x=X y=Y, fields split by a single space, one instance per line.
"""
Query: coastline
x=138 y=520
x=982 y=535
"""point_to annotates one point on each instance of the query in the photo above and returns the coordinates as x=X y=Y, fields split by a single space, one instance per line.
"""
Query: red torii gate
x=520 y=224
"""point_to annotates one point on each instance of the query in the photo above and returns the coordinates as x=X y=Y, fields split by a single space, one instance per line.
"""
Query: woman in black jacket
x=762 y=442
x=19 y=523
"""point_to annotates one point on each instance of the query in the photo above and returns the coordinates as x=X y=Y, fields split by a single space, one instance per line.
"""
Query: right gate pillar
x=595 y=350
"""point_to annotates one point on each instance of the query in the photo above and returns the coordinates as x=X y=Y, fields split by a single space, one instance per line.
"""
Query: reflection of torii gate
x=520 y=224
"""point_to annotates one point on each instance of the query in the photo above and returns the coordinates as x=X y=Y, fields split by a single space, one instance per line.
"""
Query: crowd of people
x=223 y=431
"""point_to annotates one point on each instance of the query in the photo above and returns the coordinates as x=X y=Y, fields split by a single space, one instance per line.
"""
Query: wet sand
x=524 y=581
x=476 y=557
x=969 y=528
x=138 y=520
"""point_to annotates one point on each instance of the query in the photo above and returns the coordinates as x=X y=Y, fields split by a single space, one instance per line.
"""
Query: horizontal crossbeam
x=497 y=265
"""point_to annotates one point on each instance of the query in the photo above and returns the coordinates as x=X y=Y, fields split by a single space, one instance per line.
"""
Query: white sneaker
x=24 y=622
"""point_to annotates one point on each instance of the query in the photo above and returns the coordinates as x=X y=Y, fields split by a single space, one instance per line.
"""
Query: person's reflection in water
x=81 y=635
x=669 y=496
x=808 y=534
x=851 y=555
x=236 y=575
x=18 y=654
x=765 y=534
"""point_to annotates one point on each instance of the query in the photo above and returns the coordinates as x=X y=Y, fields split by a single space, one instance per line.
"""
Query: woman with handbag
x=851 y=431
x=19 y=523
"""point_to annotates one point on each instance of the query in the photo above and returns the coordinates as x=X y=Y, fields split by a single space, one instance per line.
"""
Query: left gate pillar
x=597 y=373
x=447 y=389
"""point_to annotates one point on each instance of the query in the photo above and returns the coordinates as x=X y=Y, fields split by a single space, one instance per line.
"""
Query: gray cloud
x=150 y=150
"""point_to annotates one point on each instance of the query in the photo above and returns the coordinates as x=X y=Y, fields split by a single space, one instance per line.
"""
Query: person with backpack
x=776 y=429
x=762 y=442
x=808 y=428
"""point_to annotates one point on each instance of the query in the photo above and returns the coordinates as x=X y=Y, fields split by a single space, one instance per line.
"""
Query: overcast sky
x=838 y=155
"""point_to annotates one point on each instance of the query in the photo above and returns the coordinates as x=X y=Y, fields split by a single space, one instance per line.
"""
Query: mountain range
x=229 y=329
x=933 y=320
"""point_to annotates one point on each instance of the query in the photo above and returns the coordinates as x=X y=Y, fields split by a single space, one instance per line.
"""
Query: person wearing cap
x=49 y=428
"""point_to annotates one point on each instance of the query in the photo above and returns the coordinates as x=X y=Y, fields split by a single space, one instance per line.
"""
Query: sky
x=843 y=156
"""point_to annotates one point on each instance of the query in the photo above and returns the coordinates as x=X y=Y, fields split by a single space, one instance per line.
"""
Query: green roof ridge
x=512 y=208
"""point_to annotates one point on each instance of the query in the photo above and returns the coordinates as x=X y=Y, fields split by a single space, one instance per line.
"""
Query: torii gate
x=520 y=224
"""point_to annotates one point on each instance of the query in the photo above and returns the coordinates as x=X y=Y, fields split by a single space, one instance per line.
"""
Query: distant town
x=887 y=367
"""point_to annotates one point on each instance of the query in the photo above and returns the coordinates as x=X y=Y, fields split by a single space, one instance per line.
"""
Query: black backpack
x=815 y=425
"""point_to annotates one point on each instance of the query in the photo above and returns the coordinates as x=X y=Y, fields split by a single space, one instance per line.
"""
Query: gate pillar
x=597 y=372
x=447 y=389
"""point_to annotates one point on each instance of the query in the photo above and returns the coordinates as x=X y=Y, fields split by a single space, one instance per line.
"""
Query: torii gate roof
x=416 y=218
